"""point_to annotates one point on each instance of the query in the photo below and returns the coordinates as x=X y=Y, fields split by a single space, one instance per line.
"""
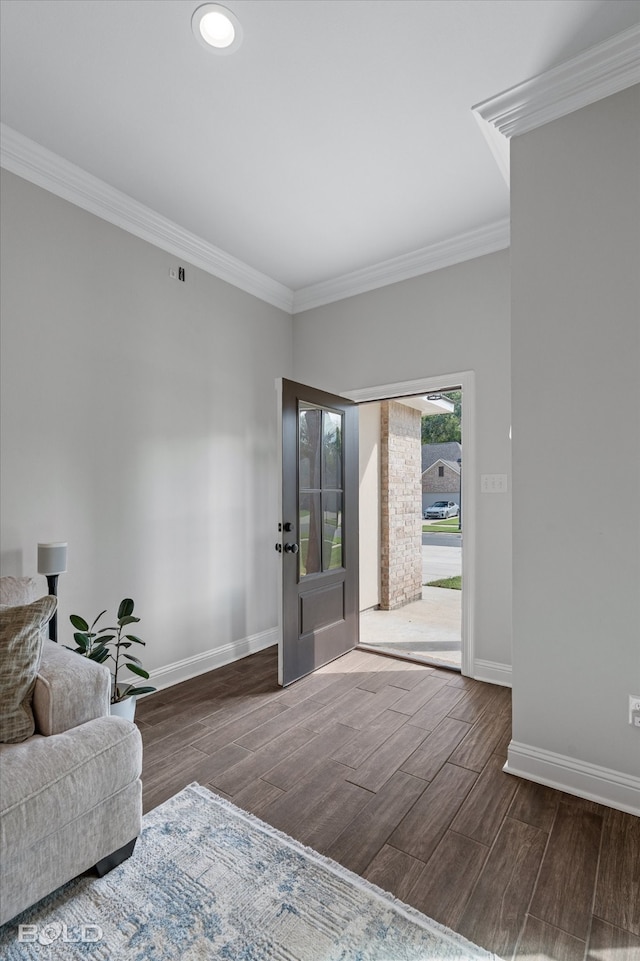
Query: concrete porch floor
x=429 y=628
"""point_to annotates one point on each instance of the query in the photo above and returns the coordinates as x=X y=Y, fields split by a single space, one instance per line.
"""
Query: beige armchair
x=70 y=795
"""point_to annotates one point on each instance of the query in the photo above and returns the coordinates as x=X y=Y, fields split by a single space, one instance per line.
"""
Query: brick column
x=401 y=505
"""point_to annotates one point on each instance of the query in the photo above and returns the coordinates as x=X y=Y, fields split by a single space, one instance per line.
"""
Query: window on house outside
x=441 y=472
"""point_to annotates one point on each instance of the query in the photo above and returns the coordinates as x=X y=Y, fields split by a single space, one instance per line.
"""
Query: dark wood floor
x=395 y=770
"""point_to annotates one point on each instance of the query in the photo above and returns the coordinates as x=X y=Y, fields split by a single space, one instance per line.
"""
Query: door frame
x=425 y=385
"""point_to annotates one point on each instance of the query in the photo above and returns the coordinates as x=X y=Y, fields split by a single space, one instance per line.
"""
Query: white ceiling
x=340 y=134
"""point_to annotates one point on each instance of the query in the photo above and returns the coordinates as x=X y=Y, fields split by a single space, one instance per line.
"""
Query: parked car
x=441 y=509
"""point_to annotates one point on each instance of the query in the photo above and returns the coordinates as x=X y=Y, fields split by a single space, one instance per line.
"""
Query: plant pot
x=125 y=708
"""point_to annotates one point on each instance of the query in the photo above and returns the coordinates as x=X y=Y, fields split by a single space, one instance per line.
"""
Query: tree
x=443 y=428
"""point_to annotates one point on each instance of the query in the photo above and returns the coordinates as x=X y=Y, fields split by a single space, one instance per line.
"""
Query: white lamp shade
x=52 y=558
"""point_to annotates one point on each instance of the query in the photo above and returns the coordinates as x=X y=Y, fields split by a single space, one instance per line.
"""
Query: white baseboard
x=493 y=672
x=601 y=784
x=209 y=660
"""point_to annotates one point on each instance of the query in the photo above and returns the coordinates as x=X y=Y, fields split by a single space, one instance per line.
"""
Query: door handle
x=291 y=548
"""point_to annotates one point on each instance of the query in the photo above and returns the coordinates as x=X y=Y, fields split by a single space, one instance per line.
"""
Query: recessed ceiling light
x=216 y=28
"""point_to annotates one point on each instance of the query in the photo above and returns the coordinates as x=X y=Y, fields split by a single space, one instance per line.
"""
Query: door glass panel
x=320 y=466
x=332 y=450
x=332 y=530
x=309 y=532
x=310 y=431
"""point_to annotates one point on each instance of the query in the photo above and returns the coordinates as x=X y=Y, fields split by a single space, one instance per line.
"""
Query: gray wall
x=447 y=321
x=138 y=423
x=576 y=390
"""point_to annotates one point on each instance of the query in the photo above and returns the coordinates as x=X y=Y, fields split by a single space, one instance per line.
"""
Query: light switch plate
x=493 y=483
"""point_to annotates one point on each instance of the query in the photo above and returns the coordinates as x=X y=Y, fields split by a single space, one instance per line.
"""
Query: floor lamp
x=52 y=560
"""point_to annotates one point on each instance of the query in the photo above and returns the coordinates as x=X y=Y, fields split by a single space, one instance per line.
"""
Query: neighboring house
x=440 y=472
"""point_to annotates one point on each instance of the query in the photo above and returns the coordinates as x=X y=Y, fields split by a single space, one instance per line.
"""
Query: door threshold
x=412 y=658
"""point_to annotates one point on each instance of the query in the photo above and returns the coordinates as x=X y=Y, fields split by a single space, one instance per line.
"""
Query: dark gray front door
x=318 y=540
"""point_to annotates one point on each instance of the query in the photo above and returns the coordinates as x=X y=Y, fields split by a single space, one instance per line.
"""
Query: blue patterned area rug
x=208 y=880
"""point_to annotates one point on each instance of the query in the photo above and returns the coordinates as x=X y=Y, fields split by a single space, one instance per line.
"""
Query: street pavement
x=441 y=540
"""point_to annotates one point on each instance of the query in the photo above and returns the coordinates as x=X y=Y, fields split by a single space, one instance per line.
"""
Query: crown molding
x=445 y=253
x=599 y=72
x=46 y=169
x=41 y=166
x=498 y=145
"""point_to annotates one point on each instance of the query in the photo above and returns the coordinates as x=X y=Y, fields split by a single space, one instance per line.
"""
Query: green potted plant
x=111 y=642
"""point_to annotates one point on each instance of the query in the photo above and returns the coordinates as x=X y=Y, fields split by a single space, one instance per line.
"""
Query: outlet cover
x=634 y=710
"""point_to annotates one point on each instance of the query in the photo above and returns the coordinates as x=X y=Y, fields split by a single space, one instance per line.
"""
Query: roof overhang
x=428 y=404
